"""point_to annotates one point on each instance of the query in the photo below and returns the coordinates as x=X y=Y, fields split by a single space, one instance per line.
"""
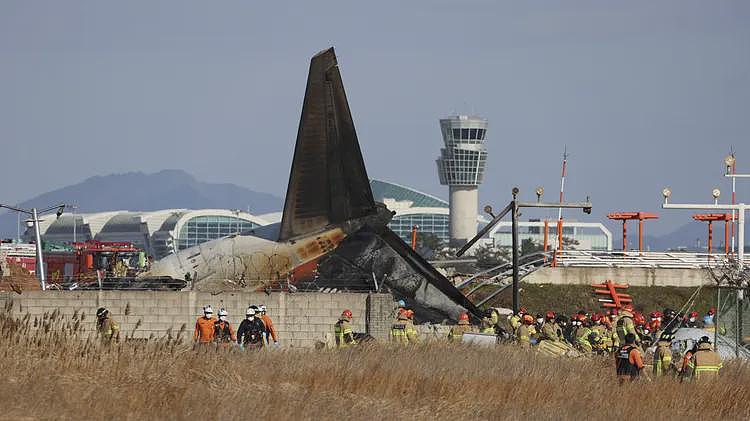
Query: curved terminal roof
x=382 y=190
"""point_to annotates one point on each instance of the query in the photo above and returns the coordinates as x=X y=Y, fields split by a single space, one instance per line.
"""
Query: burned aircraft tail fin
x=328 y=182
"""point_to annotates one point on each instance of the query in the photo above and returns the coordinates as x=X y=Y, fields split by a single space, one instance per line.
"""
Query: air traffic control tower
x=461 y=167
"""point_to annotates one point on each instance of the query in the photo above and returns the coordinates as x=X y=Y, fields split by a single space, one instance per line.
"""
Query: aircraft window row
x=469 y=134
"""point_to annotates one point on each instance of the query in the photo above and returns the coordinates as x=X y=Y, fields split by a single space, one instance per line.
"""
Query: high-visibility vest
x=343 y=334
x=662 y=359
x=705 y=362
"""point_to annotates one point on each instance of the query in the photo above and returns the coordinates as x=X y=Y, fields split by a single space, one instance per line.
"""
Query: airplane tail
x=328 y=183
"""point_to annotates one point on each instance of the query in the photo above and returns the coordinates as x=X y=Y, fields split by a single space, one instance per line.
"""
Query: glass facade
x=205 y=228
x=462 y=160
x=427 y=222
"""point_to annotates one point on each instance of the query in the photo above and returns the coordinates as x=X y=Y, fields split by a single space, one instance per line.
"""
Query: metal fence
x=666 y=260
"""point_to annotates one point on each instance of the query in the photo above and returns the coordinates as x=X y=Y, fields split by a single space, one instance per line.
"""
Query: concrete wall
x=632 y=276
x=301 y=319
x=463 y=212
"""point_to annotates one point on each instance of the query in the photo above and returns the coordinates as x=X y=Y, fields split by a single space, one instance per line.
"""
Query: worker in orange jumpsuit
x=270 y=330
x=204 y=326
x=628 y=360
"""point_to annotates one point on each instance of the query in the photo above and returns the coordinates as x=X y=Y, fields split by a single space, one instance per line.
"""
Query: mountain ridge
x=141 y=191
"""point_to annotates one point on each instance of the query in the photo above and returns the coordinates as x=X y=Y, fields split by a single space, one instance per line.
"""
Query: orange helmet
x=638 y=319
x=528 y=319
x=628 y=307
x=409 y=313
x=347 y=313
x=463 y=316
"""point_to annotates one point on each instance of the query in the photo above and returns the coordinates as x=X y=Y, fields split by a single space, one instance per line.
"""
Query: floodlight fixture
x=539 y=193
x=729 y=161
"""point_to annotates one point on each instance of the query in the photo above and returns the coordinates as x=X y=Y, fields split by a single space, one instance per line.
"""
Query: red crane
x=627 y=216
x=711 y=218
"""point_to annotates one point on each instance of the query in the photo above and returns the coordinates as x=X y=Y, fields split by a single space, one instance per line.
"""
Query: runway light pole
x=514 y=207
x=34 y=213
x=740 y=208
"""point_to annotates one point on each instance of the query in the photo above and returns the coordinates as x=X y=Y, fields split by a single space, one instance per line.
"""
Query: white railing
x=650 y=259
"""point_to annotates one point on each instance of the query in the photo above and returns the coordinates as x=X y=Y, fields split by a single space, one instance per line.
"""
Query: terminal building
x=461 y=167
x=159 y=233
x=585 y=235
x=429 y=213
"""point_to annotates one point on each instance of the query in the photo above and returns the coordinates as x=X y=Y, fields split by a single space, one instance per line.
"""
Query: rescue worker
x=625 y=324
x=582 y=335
x=684 y=368
x=564 y=329
x=663 y=356
x=708 y=319
x=252 y=331
x=628 y=361
x=693 y=321
x=488 y=322
x=548 y=329
x=457 y=331
x=271 y=334
x=705 y=362
x=600 y=339
x=107 y=327
x=204 y=326
x=402 y=330
x=223 y=332
x=515 y=320
x=526 y=331
x=342 y=330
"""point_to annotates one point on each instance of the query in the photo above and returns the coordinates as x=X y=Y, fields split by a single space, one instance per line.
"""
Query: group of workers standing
x=255 y=332
x=402 y=330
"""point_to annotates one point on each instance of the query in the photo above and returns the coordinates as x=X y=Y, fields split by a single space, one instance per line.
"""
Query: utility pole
x=514 y=206
x=34 y=213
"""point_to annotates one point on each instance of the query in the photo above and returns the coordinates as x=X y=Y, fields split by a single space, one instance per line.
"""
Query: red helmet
x=463 y=317
x=595 y=317
x=693 y=314
x=615 y=312
x=654 y=314
x=522 y=310
x=638 y=319
x=347 y=313
x=550 y=315
x=628 y=307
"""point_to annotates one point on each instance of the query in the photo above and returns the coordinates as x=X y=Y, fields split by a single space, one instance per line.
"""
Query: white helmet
x=262 y=308
x=222 y=312
x=208 y=310
x=250 y=312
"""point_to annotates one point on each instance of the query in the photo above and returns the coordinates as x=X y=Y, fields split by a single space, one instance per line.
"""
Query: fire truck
x=92 y=260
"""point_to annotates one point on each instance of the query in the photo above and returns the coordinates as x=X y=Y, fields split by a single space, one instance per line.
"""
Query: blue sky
x=644 y=94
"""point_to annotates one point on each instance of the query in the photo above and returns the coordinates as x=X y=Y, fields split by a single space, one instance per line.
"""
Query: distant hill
x=137 y=191
x=693 y=236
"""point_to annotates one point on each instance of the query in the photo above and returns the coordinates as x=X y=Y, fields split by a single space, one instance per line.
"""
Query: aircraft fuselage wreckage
x=328 y=201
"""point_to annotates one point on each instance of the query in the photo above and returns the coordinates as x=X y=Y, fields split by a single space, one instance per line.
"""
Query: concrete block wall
x=301 y=319
x=633 y=276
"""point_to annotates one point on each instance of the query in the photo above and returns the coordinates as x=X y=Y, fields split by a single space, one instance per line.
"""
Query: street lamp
x=34 y=213
x=514 y=206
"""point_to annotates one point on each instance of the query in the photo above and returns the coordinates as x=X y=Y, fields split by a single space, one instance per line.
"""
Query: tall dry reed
x=53 y=369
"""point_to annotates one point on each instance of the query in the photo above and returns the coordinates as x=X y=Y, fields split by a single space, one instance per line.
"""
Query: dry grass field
x=57 y=371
